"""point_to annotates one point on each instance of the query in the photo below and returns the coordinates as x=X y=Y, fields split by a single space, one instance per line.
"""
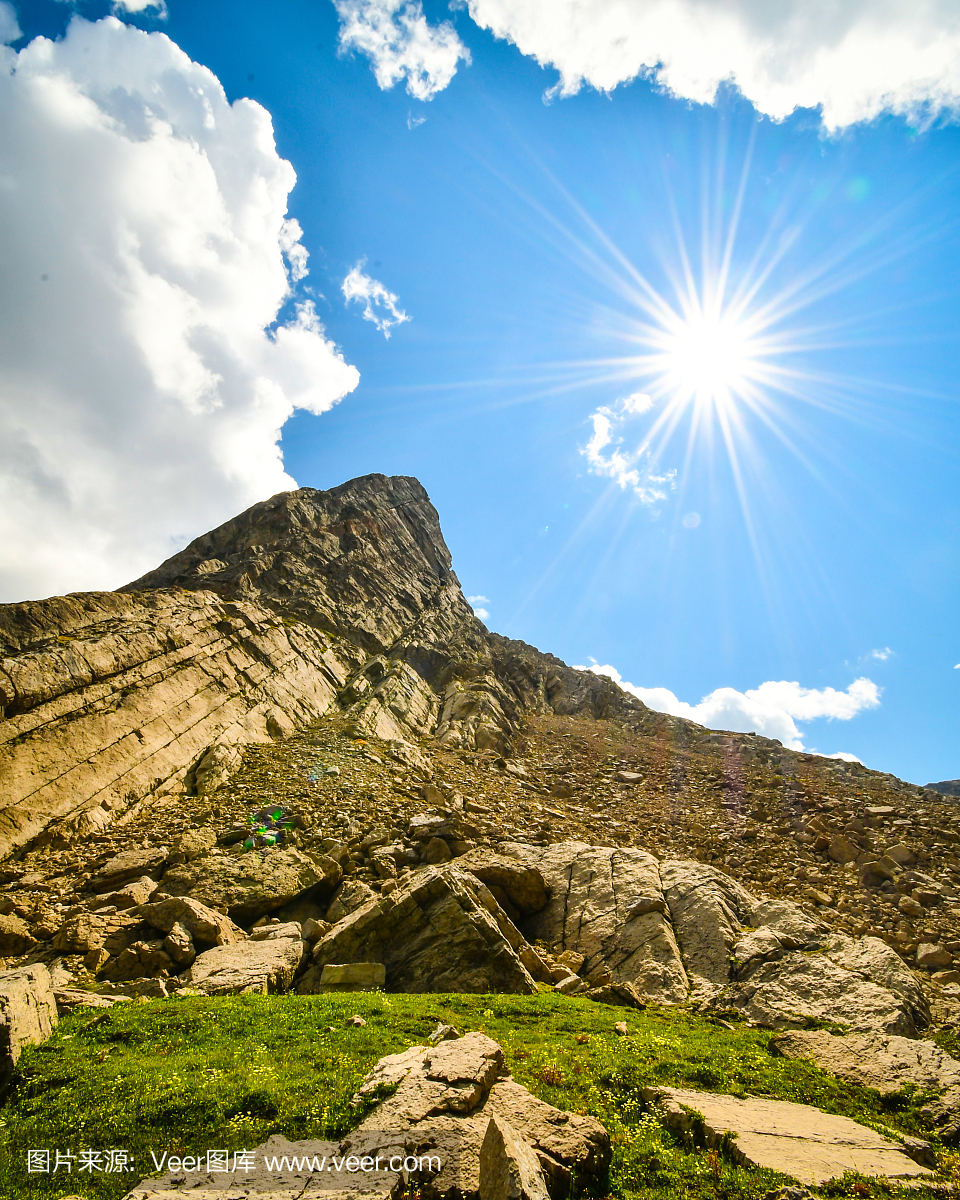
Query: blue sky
x=746 y=492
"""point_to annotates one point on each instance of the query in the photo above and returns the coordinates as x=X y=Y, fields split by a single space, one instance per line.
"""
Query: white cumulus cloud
x=144 y=377
x=631 y=469
x=401 y=44
x=855 y=58
x=772 y=709
x=379 y=304
x=158 y=7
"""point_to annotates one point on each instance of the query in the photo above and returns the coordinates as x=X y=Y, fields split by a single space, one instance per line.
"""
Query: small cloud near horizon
x=772 y=709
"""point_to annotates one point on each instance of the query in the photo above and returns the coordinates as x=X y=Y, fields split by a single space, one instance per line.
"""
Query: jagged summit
x=362 y=560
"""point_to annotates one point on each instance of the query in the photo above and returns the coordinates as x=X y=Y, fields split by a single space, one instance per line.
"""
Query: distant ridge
x=947 y=787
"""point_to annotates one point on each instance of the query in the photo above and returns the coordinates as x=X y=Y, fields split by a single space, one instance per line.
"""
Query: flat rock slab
x=795 y=1139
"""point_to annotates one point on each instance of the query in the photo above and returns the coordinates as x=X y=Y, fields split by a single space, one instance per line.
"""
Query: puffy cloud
x=631 y=469
x=159 y=7
x=396 y=37
x=476 y=603
x=144 y=375
x=9 y=26
x=379 y=305
x=855 y=58
x=772 y=709
x=881 y=655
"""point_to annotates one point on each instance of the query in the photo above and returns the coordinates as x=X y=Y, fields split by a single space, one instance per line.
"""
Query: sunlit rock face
x=310 y=599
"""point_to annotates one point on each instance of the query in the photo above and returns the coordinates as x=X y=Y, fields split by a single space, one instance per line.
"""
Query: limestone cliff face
x=309 y=599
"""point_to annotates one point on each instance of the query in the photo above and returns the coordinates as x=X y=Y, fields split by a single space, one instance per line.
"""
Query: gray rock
x=802 y=985
x=206 y=926
x=624 y=995
x=28 y=1013
x=873 y=960
x=442 y=931
x=349 y=896
x=795 y=929
x=593 y=891
x=436 y=851
x=522 y=884
x=131 y=864
x=795 y=1139
x=509 y=1167
x=247 y=886
x=352 y=977
x=708 y=909
x=132 y=894
x=97 y=936
x=178 y=944
x=265 y=967
x=15 y=935
x=885 y=1064
x=446 y=1098
x=269 y=933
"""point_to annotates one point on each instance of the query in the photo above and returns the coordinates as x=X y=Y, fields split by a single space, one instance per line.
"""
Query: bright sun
x=707 y=359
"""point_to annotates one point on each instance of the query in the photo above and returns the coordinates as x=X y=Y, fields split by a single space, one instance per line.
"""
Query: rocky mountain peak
x=363 y=561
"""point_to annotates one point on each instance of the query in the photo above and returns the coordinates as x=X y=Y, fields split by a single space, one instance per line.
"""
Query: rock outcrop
x=458 y=1128
x=442 y=932
x=308 y=599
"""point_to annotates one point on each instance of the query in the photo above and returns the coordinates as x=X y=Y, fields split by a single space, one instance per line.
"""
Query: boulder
x=179 y=945
x=126 y=866
x=192 y=844
x=205 y=926
x=886 y=1064
x=139 y=960
x=266 y=967
x=97 y=936
x=795 y=1139
x=352 y=977
x=800 y=986
x=446 y=1098
x=349 y=896
x=521 y=883
x=248 y=886
x=15 y=935
x=593 y=910
x=28 y=1013
x=132 y=894
x=509 y=1167
x=441 y=932
x=283 y=929
x=873 y=960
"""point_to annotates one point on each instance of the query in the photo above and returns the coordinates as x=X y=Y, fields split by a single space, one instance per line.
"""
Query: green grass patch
x=185 y=1075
